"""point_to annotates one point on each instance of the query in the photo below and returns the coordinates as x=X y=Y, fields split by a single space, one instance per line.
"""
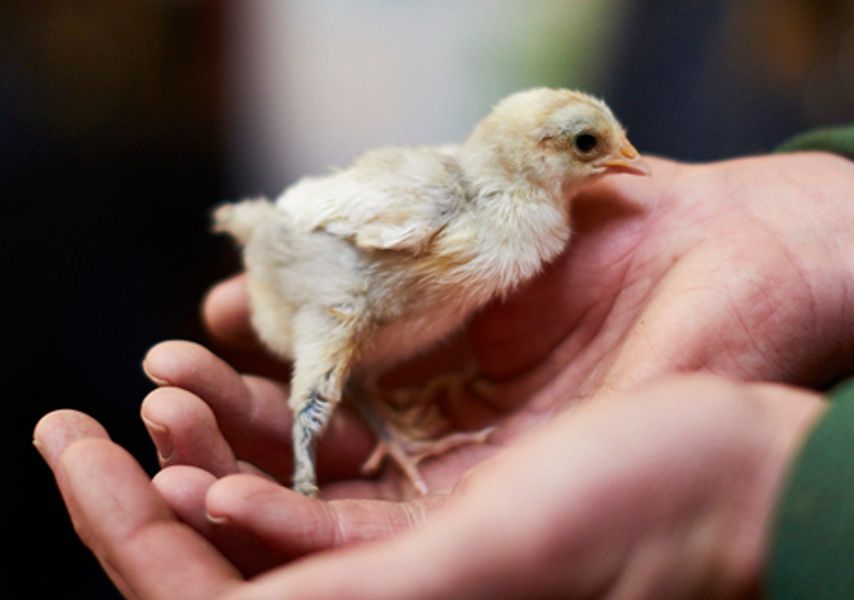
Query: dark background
x=112 y=153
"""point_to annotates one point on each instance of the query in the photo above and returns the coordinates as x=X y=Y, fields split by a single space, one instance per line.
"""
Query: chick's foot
x=407 y=453
x=410 y=427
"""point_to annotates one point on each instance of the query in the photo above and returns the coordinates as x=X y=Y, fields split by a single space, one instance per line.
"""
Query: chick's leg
x=324 y=348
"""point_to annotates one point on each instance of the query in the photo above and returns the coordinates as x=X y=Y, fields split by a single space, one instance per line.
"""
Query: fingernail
x=38 y=446
x=221 y=520
x=160 y=435
x=154 y=379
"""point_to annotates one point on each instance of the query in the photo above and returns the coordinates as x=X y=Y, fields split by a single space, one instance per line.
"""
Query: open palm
x=696 y=269
x=741 y=268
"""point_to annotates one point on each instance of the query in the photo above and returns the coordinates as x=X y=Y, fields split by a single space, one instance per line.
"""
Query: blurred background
x=123 y=123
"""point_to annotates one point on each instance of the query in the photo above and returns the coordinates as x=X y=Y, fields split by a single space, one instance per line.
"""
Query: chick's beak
x=626 y=160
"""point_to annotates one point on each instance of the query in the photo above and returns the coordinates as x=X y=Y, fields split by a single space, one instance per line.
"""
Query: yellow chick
x=354 y=271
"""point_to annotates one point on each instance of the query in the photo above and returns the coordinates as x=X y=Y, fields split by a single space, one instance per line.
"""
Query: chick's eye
x=585 y=142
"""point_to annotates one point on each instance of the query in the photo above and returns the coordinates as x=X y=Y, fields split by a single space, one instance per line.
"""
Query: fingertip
x=253 y=500
x=183 y=488
x=171 y=404
x=183 y=482
x=225 y=311
x=227 y=497
x=185 y=430
x=286 y=521
x=168 y=362
x=150 y=367
x=55 y=431
x=66 y=419
x=165 y=410
x=154 y=361
x=188 y=365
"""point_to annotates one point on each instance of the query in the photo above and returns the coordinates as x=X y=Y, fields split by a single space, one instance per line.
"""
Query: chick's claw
x=407 y=453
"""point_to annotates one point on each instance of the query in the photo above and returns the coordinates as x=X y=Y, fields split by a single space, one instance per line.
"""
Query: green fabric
x=812 y=538
x=839 y=140
x=812 y=554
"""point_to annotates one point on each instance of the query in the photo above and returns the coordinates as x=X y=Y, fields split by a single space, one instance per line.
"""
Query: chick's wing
x=389 y=199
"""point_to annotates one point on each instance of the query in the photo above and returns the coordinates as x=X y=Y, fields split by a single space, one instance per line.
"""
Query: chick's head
x=554 y=138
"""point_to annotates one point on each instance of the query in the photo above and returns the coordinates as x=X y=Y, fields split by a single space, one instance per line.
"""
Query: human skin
x=740 y=268
x=662 y=493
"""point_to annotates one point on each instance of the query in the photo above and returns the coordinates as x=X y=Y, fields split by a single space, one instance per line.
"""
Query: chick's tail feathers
x=239 y=220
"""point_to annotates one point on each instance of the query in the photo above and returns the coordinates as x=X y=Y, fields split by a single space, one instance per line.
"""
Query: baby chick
x=357 y=270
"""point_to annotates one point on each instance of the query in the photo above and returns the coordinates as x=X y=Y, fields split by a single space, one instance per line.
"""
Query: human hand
x=662 y=493
x=741 y=268
x=740 y=243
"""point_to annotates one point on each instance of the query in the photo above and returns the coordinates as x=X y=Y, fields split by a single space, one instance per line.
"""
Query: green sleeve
x=812 y=538
x=812 y=543
x=839 y=140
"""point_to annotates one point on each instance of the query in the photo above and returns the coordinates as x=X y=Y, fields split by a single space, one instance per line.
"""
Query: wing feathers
x=390 y=199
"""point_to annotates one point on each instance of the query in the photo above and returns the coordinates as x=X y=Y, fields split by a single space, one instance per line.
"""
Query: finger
x=184 y=489
x=52 y=435
x=184 y=430
x=130 y=527
x=225 y=312
x=56 y=430
x=252 y=412
x=121 y=517
x=427 y=562
x=295 y=525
